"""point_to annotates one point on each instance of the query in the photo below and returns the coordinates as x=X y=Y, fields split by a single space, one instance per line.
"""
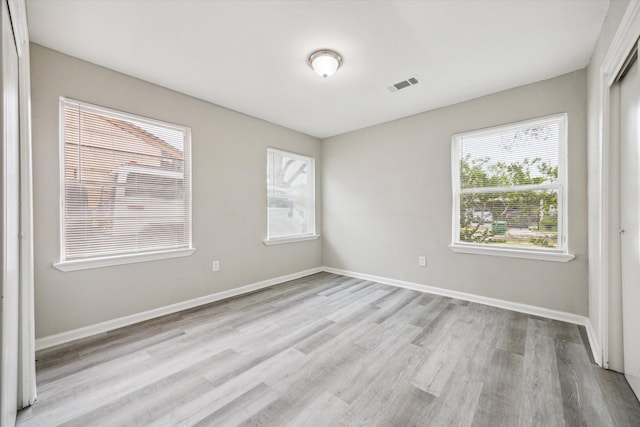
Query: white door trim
x=27 y=368
x=626 y=36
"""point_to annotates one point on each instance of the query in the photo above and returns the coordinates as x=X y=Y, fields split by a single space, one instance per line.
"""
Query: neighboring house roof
x=145 y=136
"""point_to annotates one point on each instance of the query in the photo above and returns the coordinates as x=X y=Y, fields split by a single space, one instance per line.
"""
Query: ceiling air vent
x=404 y=84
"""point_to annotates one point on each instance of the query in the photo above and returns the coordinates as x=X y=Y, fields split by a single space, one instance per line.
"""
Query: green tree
x=521 y=207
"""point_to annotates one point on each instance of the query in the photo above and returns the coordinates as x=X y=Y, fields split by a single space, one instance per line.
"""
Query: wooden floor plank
x=457 y=404
x=435 y=372
x=380 y=398
x=500 y=398
x=330 y=350
x=513 y=335
x=439 y=326
x=225 y=393
x=621 y=402
x=541 y=401
x=324 y=411
x=410 y=406
x=371 y=365
x=239 y=409
x=582 y=396
x=157 y=399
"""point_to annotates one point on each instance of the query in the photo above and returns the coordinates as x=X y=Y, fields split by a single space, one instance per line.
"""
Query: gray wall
x=387 y=200
x=609 y=28
x=229 y=200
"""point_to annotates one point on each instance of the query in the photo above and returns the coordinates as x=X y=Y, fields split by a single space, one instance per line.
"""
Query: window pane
x=126 y=184
x=290 y=194
x=516 y=155
x=527 y=219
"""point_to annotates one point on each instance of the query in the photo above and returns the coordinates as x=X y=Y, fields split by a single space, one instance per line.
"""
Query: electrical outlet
x=422 y=261
x=216 y=266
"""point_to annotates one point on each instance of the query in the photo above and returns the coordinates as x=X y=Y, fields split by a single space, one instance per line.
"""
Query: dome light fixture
x=325 y=62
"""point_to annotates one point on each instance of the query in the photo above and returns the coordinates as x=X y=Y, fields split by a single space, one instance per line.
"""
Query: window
x=290 y=197
x=126 y=190
x=509 y=190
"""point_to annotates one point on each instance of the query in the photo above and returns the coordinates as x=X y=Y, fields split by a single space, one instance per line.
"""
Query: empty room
x=320 y=213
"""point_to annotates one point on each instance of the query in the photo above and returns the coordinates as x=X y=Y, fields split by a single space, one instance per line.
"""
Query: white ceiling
x=250 y=56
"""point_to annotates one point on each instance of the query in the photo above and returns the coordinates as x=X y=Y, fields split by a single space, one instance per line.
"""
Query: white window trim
x=543 y=255
x=269 y=241
x=561 y=254
x=294 y=239
x=98 y=262
x=120 y=259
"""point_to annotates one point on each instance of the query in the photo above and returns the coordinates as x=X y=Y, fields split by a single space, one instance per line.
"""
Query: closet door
x=10 y=212
x=630 y=220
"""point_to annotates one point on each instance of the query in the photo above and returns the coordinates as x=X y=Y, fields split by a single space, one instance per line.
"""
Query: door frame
x=26 y=332
x=607 y=238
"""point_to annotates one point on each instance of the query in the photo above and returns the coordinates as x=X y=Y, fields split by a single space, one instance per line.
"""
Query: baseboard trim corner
x=109 y=325
x=575 y=319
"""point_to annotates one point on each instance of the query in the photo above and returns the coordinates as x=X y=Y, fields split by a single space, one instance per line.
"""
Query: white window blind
x=290 y=195
x=509 y=186
x=125 y=181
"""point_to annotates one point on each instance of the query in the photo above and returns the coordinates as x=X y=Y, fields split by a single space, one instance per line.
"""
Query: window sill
x=85 y=264
x=282 y=240
x=556 y=256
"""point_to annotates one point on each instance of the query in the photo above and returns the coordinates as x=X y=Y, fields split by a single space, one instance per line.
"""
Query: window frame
x=313 y=235
x=98 y=261
x=561 y=253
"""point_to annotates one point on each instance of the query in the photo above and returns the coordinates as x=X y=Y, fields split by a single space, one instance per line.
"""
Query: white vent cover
x=411 y=81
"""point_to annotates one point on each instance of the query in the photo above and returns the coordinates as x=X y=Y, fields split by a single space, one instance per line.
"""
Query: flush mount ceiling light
x=325 y=62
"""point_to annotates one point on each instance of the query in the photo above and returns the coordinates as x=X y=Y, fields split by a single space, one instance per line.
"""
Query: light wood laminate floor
x=328 y=350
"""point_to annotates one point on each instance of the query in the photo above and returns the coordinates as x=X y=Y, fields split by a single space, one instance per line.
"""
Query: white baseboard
x=514 y=306
x=575 y=319
x=109 y=325
x=596 y=348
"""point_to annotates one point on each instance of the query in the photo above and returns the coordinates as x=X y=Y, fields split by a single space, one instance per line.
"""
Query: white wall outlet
x=215 y=266
x=422 y=261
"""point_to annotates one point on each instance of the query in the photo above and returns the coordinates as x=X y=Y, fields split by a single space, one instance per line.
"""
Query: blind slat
x=290 y=194
x=509 y=188
x=126 y=184
x=511 y=156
